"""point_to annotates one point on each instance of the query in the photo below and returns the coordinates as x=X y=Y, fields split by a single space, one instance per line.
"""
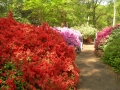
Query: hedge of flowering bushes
x=111 y=54
x=72 y=37
x=108 y=41
x=35 y=58
x=101 y=39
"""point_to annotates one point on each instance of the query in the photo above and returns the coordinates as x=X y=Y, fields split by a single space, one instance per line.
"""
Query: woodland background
x=98 y=13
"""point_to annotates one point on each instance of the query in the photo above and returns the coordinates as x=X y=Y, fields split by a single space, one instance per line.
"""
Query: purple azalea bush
x=72 y=37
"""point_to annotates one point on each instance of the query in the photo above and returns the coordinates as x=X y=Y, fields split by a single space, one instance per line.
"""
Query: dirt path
x=95 y=75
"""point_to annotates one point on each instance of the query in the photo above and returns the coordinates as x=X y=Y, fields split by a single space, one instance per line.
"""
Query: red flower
x=11 y=84
x=40 y=57
x=0 y=81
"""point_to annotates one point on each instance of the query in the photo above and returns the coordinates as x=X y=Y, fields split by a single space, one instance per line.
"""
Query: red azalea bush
x=33 y=58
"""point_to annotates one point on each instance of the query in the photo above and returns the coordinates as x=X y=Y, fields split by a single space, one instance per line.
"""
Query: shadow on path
x=95 y=75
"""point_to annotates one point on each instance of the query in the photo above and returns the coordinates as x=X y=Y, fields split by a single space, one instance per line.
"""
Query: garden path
x=94 y=74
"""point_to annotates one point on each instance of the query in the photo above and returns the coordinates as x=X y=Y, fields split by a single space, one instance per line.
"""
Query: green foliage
x=18 y=13
x=9 y=66
x=86 y=30
x=101 y=17
x=15 y=6
x=3 y=8
x=112 y=50
x=54 y=12
x=72 y=12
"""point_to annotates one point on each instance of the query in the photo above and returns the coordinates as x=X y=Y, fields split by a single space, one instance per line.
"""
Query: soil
x=94 y=74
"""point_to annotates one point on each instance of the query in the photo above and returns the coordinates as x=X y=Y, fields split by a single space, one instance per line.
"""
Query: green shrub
x=111 y=54
x=86 y=30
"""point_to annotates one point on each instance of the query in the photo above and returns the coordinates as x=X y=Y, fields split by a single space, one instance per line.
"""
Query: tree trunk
x=114 y=18
x=89 y=40
x=88 y=20
x=64 y=22
x=94 y=16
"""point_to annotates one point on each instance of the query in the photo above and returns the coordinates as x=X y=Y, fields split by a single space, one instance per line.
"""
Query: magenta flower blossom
x=102 y=36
